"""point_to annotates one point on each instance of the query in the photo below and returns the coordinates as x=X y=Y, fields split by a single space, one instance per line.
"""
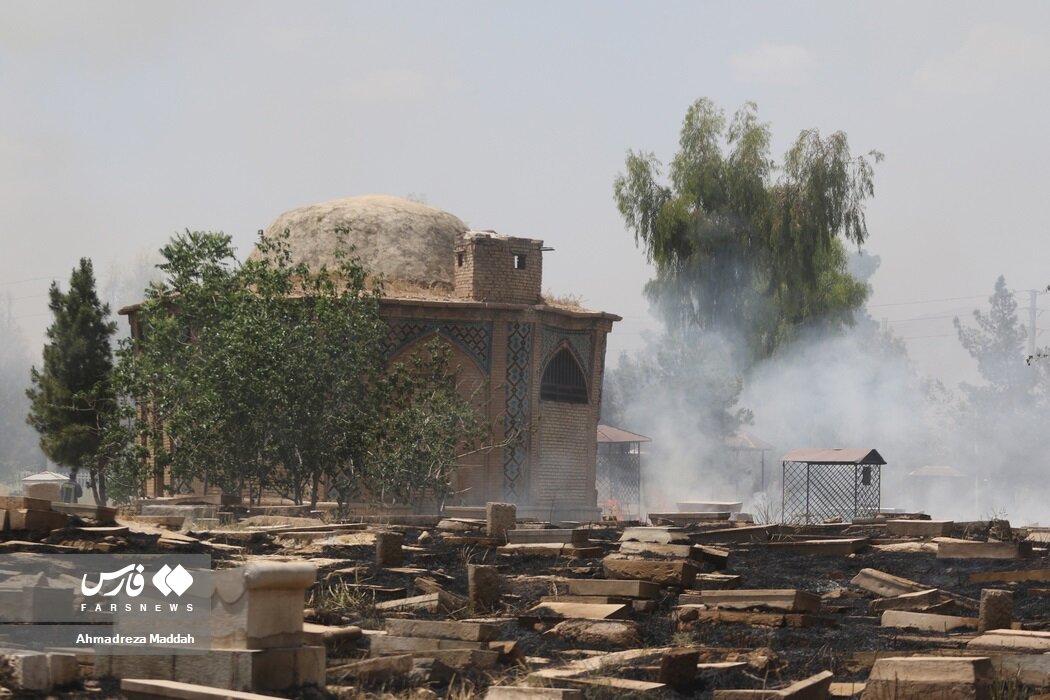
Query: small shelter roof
x=743 y=441
x=835 y=455
x=46 y=477
x=607 y=433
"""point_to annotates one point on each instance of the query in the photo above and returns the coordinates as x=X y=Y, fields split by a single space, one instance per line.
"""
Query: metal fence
x=814 y=493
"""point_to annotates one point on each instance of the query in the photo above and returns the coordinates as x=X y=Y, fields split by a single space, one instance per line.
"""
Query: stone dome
x=405 y=241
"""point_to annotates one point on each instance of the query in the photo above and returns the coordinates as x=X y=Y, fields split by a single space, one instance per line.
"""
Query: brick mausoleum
x=533 y=366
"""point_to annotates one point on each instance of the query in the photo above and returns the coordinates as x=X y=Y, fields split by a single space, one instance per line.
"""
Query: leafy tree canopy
x=743 y=243
x=270 y=375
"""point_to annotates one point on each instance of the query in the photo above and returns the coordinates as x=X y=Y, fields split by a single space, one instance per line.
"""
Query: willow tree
x=742 y=243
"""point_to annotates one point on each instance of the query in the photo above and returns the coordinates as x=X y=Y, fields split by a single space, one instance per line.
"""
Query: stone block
x=484 y=588
x=388 y=549
x=996 y=611
x=1014 y=641
x=978 y=550
x=528 y=692
x=678 y=669
x=429 y=602
x=284 y=668
x=919 y=528
x=917 y=602
x=947 y=678
x=926 y=621
x=655 y=535
x=500 y=518
x=35 y=520
x=886 y=585
x=680 y=573
x=260 y=605
x=582 y=611
x=812 y=688
x=786 y=600
x=144 y=689
x=388 y=645
x=29 y=669
x=612 y=587
x=375 y=671
x=439 y=629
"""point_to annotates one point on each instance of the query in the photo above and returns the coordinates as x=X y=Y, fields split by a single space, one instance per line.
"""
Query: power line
x=932 y=301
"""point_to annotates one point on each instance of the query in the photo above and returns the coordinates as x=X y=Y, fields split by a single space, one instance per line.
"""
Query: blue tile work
x=578 y=342
x=473 y=337
x=516 y=418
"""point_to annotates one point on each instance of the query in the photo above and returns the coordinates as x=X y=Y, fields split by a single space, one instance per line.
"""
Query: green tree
x=998 y=345
x=1004 y=416
x=270 y=375
x=72 y=399
x=741 y=243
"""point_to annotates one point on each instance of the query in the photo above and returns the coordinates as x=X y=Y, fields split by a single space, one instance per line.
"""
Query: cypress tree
x=72 y=395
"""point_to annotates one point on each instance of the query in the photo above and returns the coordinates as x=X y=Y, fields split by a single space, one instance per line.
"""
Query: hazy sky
x=123 y=122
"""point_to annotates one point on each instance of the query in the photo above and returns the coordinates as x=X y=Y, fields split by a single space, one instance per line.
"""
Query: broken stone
x=1037 y=575
x=953 y=678
x=388 y=549
x=483 y=588
x=664 y=572
x=143 y=689
x=387 y=645
x=787 y=600
x=919 y=528
x=612 y=587
x=918 y=601
x=978 y=550
x=926 y=621
x=887 y=585
x=1020 y=641
x=618 y=633
x=437 y=629
x=430 y=602
x=583 y=611
x=812 y=688
x=655 y=535
x=997 y=610
x=499 y=519
x=678 y=669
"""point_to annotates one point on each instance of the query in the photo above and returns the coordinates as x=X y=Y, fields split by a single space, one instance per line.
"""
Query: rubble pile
x=706 y=605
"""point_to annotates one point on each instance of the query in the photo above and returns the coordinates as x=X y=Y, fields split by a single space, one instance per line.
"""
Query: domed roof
x=403 y=240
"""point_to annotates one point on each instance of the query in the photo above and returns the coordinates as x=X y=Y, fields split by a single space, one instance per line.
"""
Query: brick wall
x=498 y=269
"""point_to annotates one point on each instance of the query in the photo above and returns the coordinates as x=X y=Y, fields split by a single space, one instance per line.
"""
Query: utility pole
x=1031 y=321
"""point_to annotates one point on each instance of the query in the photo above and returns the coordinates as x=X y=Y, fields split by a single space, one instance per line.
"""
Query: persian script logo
x=130 y=580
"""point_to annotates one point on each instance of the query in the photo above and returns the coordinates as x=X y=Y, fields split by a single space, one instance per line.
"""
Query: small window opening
x=563 y=380
x=459 y=259
x=519 y=261
x=865 y=476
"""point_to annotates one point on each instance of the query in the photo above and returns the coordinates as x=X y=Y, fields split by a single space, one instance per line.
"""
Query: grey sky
x=123 y=122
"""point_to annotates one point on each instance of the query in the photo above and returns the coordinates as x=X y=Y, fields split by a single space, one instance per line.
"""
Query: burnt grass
x=775 y=655
x=784 y=654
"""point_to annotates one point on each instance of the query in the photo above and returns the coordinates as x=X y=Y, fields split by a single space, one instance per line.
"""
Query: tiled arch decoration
x=473 y=337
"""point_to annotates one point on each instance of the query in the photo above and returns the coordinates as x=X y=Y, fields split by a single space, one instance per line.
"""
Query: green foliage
x=1003 y=417
x=72 y=398
x=743 y=244
x=997 y=343
x=271 y=375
